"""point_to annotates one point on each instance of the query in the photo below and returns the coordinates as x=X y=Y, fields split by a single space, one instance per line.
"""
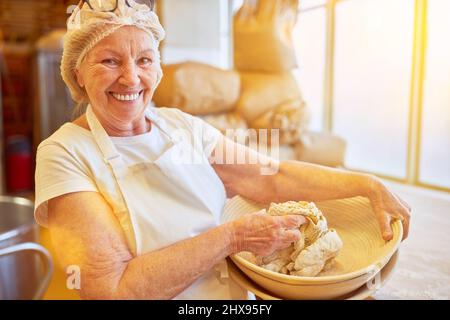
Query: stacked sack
x=261 y=93
x=204 y=91
x=264 y=56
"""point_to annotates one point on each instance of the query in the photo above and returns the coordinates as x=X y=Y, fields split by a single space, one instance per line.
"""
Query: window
x=387 y=89
x=309 y=40
x=372 y=81
x=435 y=141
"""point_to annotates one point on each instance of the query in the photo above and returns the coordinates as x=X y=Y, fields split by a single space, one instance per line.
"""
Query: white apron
x=165 y=201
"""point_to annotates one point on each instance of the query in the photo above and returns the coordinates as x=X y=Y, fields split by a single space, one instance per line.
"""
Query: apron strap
x=151 y=115
x=102 y=139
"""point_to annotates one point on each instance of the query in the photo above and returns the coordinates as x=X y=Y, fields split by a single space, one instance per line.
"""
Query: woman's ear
x=79 y=78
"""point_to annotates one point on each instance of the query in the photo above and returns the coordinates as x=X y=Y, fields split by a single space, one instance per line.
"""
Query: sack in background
x=322 y=148
x=198 y=88
x=227 y=120
x=261 y=92
x=263 y=35
x=290 y=118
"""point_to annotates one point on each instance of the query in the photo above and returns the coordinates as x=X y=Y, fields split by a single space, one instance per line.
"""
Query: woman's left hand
x=388 y=206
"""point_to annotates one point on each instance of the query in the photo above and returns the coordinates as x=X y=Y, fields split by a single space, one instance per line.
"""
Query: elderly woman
x=137 y=222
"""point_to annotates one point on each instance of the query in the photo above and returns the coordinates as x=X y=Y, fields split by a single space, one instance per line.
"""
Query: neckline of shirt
x=120 y=140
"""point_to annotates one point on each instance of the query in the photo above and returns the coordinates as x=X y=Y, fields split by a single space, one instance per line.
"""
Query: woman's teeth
x=126 y=97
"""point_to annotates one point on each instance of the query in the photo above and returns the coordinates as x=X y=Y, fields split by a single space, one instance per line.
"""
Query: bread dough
x=316 y=248
x=312 y=260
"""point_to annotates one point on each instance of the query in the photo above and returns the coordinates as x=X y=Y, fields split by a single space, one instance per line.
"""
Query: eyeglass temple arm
x=152 y=4
x=80 y=4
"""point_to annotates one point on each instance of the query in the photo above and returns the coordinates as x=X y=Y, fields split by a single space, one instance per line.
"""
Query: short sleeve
x=202 y=130
x=57 y=173
x=210 y=136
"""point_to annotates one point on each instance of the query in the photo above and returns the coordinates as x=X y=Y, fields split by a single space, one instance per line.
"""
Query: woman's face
x=120 y=75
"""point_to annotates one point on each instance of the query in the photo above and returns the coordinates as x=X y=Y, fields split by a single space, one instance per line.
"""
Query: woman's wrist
x=371 y=185
x=227 y=230
x=232 y=237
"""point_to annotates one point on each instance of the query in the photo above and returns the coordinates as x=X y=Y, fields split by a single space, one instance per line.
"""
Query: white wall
x=197 y=30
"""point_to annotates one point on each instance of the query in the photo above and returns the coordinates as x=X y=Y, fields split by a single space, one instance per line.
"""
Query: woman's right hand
x=263 y=234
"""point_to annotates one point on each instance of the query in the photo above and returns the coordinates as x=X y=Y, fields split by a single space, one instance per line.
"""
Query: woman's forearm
x=165 y=273
x=309 y=182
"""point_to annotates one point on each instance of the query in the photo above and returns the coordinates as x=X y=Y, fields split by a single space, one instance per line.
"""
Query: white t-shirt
x=69 y=160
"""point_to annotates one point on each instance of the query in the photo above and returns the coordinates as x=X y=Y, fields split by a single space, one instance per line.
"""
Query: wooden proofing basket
x=364 y=252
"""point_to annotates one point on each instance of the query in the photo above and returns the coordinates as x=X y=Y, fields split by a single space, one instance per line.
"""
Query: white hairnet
x=86 y=27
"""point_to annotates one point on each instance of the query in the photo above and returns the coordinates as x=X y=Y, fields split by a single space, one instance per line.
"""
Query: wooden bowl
x=364 y=252
x=363 y=292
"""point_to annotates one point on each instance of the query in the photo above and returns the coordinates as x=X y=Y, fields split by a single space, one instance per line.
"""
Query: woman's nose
x=130 y=75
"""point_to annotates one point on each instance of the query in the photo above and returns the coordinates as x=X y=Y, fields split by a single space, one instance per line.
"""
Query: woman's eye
x=145 y=61
x=109 y=62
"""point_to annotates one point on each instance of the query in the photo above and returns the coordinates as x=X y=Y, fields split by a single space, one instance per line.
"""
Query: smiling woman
x=123 y=208
x=120 y=80
x=116 y=204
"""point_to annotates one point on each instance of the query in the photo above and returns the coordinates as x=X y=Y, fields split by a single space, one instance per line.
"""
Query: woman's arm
x=299 y=180
x=292 y=180
x=310 y=182
x=86 y=233
x=295 y=180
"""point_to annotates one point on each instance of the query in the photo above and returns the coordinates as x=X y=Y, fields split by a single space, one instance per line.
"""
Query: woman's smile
x=127 y=97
